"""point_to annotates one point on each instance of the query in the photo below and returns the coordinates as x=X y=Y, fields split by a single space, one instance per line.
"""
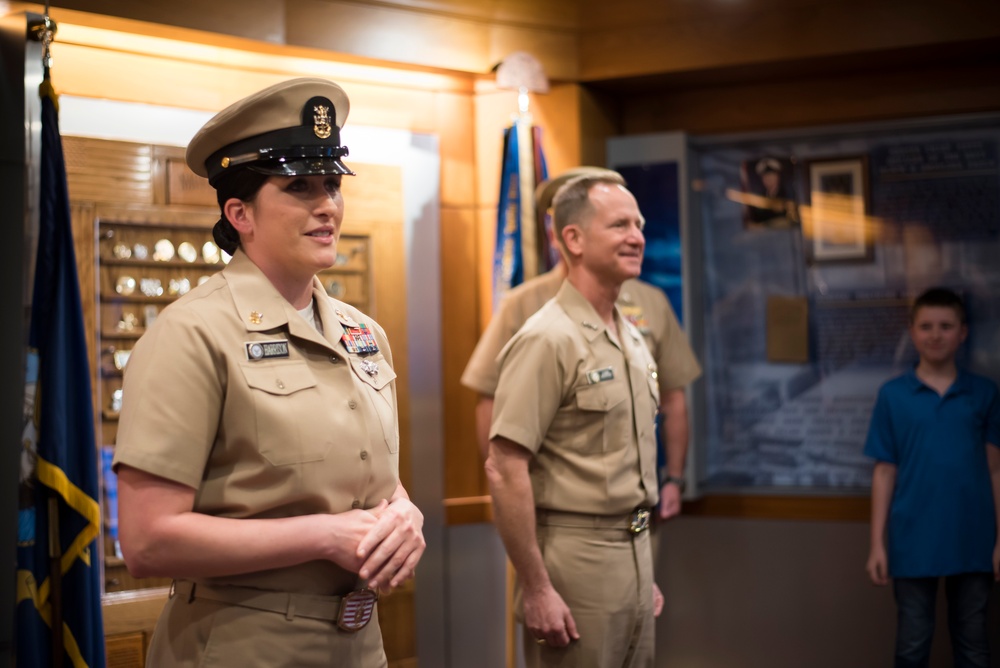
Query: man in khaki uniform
x=644 y=305
x=572 y=455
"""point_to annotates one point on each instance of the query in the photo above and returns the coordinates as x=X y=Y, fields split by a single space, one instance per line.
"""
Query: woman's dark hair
x=242 y=184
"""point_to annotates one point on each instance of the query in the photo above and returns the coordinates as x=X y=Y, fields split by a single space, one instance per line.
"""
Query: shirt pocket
x=377 y=381
x=288 y=410
x=604 y=415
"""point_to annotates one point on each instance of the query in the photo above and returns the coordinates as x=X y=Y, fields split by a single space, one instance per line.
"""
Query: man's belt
x=635 y=522
x=352 y=612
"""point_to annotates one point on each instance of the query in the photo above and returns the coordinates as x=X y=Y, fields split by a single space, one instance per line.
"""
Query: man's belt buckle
x=356 y=609
x=639 y=521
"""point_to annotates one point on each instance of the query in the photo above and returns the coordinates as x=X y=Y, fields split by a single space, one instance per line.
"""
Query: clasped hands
x=390 y=544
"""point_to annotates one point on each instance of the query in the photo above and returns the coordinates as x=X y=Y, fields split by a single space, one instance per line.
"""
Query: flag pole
x=55 y=578
x=44 y=31
x=517 y=226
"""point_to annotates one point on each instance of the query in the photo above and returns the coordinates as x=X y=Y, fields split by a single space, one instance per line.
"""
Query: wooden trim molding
x=780 y=507
x=468 y=510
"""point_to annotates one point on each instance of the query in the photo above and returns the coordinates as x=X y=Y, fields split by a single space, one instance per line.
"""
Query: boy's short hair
x=941 y=297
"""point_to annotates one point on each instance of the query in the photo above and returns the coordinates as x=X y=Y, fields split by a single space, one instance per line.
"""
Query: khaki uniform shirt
x=644 y=305
x=297 y=427
x=584 y=405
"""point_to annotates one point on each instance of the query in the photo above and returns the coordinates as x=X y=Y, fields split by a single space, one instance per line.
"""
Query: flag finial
x=522 y=72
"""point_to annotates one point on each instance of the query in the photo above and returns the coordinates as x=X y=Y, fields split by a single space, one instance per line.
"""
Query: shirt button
x=364 y=454
x=356 y=504
x=281 y=385
x=353 y=404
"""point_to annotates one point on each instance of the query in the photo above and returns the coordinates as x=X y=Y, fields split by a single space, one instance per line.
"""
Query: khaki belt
x=635 y=522
x=327 y=608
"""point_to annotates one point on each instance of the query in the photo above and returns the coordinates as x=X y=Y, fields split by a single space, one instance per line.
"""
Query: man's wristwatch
x=680 y=482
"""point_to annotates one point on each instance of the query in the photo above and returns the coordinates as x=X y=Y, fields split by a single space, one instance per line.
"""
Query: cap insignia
x=321 y=121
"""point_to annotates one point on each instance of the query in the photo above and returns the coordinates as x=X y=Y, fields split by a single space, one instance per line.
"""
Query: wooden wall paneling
x=551 y=13
x=463 y=40
x=599 y=119
x=374 y=195
x=556 y=50
x=463 y=474
x=782 y=507
x=455 y=125
x=133 y=613
x=176 y=183
x=125 y=650
x=110 y=171
x=835 y=99
x=769 y=31
x=486 y=242
x=255 y=19
x=493 y=111
x=83 y=71
x=396 y=612
x=82 y=217
x=386 y=33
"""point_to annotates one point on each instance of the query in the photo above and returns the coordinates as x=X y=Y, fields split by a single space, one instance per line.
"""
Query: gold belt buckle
x=639 y=521
x=356 y=609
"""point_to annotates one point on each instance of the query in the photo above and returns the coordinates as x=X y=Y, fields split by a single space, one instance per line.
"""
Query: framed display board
x=802 y=321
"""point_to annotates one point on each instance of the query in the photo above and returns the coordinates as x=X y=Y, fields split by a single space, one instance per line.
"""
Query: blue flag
x=521 y=246
x=57 y=584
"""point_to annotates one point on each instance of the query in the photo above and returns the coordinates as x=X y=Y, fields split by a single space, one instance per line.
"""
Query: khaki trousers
x=605 y=576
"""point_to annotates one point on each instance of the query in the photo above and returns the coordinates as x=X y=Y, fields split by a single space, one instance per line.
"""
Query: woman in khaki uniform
x=257 y=452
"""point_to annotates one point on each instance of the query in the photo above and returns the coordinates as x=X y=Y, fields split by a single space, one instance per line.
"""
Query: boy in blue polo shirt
x=936 y=488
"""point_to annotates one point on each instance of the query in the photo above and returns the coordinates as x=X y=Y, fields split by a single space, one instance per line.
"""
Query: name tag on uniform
x=600 y=375
x=265 y=350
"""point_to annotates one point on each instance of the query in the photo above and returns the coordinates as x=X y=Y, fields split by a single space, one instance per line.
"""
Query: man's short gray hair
x=571 y=204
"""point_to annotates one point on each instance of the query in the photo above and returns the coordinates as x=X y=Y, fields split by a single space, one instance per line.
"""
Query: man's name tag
x=265 y=350
x=600 y=375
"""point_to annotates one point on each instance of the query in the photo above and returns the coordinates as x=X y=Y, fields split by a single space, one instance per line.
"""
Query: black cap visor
x=288 y=152
x=300 y=166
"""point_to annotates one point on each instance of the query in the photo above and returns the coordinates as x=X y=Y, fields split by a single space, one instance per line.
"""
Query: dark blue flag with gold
x=521 y=246
x=58 y=561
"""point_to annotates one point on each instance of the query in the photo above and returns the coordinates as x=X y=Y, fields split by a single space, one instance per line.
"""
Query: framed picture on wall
x=836 y=224
x=767 y=192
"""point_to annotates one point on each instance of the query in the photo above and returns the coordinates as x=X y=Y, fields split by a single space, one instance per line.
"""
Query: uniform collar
x=583 y=313
x=261 y=307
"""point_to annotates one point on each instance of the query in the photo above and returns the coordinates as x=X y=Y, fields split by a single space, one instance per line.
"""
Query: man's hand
x=670 y=501
x=657 y=600
x=547 y=618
